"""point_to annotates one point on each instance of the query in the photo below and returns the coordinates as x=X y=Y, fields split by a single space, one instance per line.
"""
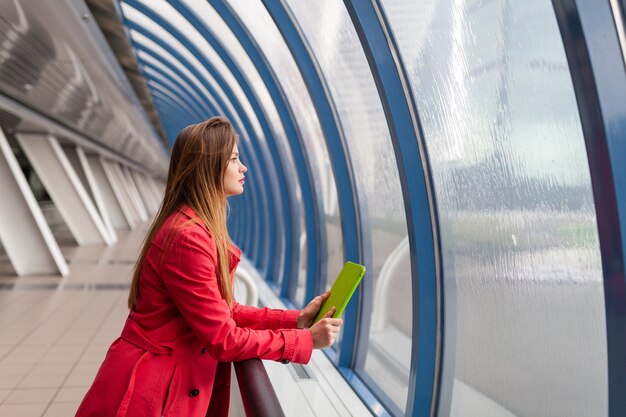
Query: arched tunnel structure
x=470 y=154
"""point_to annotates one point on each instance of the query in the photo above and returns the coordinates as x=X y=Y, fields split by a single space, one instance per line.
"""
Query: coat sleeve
x=189 y=273
x=265 y=318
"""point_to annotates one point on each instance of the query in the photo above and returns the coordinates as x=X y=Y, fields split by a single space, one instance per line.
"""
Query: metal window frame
x=171 y=125
x=252 y=191
x=288 y=208
x=260 y=229
x=392 y=82
x=181 y=85
x=174 y=110
x=169 y=93
x=597 y=69
x=167 y=124
x=356 y=239
x=240 y=241
x=276 y=147
x=235 y=222
x=244 y=229
x=312 y=201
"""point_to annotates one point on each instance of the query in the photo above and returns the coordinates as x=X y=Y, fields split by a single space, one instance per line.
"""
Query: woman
x=184 y=327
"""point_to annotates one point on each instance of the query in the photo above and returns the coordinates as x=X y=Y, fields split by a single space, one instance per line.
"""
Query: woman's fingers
x=335 y=323
x=332 y=324
x=325 y=331
x=319 y=300
x=332 y=321
x=330 y=312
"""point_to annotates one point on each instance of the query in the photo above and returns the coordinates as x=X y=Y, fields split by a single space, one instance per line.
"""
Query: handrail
x=257 y=393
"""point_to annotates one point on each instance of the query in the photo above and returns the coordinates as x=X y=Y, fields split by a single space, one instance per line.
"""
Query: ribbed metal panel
x=108 y=19
x=51 y=63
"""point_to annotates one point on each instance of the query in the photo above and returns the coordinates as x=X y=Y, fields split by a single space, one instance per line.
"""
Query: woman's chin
x=231 y=193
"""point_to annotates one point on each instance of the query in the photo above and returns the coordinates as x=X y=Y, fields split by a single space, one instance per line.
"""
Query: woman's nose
x=243 y=168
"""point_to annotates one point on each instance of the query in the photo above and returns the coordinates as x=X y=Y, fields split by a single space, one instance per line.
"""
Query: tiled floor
x=54 y=331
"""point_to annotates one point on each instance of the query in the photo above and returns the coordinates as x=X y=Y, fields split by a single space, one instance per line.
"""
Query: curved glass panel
x=385 y=364
x=156 y=30
x=222 y=32
x=521 y=257
x=165 y=56
x=147 y=58
x=173 y=93
x=171 y=15
x=269 y=39
x=168 y=13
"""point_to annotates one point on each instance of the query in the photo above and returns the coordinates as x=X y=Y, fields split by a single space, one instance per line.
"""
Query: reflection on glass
x=519 y=238
x=385 y=364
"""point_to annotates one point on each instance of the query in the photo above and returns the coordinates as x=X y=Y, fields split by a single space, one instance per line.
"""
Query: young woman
x=184 y=327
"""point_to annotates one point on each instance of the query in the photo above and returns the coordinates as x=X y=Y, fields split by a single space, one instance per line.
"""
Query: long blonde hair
x=200 y=156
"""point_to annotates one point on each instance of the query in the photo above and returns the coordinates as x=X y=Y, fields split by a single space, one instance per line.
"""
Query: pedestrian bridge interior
x=468 y=153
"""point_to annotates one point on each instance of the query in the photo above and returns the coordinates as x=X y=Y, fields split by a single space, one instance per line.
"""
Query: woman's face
x=233 y=177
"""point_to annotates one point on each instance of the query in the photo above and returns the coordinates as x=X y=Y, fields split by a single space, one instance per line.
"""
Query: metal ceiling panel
x=52 y=61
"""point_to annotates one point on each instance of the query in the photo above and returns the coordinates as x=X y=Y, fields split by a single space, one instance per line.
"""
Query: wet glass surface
x=270 y=41
x=520 y=249
x=342 y=61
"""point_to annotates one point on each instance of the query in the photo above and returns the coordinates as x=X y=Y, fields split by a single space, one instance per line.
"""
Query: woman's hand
x=308 y=313
x=325 y=331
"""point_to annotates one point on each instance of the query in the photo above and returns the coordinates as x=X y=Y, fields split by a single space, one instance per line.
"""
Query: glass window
x=340 y=56
x=153 y=62
x=269 y=39
x=171 y=15
x=205 y=13
x=165 y=56
x=520 y=251
x=213 y=22
x=168 y=13
x=174 y=94
x=156 y=30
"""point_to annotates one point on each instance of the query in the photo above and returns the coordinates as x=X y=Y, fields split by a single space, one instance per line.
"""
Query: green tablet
x=343 y=288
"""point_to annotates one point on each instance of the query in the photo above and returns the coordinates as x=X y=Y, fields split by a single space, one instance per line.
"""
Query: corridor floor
x=54 y=331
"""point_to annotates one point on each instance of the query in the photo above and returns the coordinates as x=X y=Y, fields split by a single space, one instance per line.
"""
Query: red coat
x=173 y=357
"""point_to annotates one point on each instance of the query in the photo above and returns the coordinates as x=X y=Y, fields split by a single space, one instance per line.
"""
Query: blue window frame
x=286 y=182
x=314 y=230
x=597 y=68
x=237 y=207
x=403 y=120
x=267 y=231
x=246 y=211
x=181 y=121
x=348 y=201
